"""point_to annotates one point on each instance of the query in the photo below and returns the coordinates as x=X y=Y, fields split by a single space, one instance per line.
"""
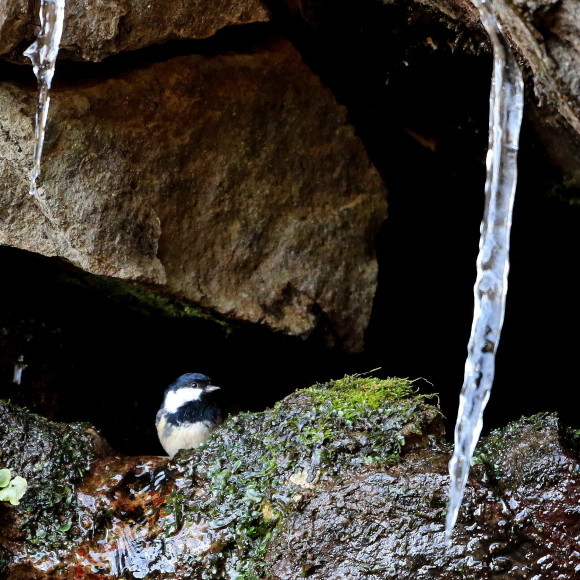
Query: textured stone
x=519 y=517
x=233 y=181
x=94 y=30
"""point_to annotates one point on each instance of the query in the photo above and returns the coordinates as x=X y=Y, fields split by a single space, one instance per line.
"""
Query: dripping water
x=506 y=106
x=42 y=53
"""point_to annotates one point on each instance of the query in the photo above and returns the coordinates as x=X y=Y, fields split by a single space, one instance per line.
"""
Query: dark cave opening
x=422 y=115
x=93 y=357
x=417 y=94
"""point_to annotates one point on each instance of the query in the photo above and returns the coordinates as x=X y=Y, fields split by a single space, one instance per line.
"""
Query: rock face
x=233 y=181
x=544 y=34
x=346 y=480
x=518 y=520
x=95 y=30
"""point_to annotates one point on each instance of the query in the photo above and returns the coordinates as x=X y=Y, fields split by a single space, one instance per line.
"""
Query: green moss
x=260 y=465
x=571 y=437
x=566 y=191
x=52 y=457
x=12 y=489
x=354 y=396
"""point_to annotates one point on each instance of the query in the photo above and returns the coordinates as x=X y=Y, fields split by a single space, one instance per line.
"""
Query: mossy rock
x=516 y=455
x=52 y=458
x=137 y=297
x=345 y=479
x=259 y=466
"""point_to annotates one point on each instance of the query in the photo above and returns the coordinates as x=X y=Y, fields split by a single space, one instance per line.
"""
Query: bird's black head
x=193 y=381
x=188 y=388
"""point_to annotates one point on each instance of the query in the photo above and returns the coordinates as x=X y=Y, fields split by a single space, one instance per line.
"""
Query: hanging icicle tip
x=42 y=53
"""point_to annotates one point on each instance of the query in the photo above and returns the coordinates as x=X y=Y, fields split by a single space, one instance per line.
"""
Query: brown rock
x=519 y=517
x=94 y=30
x=232 y=181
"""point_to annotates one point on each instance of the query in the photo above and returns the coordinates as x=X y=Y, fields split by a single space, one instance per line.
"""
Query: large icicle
x=506 y=106
x=42 y=53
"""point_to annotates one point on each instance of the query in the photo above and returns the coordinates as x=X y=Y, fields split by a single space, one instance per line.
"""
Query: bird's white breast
x=176 y=437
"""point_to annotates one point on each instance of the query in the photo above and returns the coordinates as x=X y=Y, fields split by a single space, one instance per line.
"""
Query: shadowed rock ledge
x=544 y=35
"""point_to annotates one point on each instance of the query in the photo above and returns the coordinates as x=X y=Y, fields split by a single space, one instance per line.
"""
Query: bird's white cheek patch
x=173 y=438
x=176 y=399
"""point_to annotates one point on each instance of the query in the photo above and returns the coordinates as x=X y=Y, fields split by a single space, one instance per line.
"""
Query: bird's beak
x=211 y=388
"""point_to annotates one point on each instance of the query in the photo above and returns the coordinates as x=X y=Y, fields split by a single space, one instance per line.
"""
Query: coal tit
x=186 y=418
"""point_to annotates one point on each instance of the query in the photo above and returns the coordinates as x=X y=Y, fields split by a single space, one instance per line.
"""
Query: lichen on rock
x=52 y=458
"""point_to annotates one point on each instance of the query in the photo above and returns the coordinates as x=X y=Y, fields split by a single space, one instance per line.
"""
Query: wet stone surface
x=346 y=480
x=52 y=457
x=519 y=518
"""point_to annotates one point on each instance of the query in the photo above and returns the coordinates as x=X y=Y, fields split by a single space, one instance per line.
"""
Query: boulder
x=233 y=181
x=518 y=518
x=94 y=30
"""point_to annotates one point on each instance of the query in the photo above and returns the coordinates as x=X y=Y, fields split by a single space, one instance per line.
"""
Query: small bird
x=186 y=418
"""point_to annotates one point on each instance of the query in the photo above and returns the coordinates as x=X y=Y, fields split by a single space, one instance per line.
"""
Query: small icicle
x=42 y=53
x=19 y=366
x=506 y=106
x=17 y=377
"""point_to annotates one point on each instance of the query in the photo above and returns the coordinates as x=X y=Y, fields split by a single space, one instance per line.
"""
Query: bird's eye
x=194 y=385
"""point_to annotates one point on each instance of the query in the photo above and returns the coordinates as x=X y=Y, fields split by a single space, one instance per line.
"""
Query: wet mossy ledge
x=258 y=468
x=135 y=297
x=52 y=458
x=209 y=513
x=346 y=479
x=63 y=278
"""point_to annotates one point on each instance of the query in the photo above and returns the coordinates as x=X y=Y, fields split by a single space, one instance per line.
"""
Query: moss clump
x=354 y=396
x=507 y=461
x=260 y=465
x=571 y=437
x=137 y=298
x=52 y=457
x=11 y=488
